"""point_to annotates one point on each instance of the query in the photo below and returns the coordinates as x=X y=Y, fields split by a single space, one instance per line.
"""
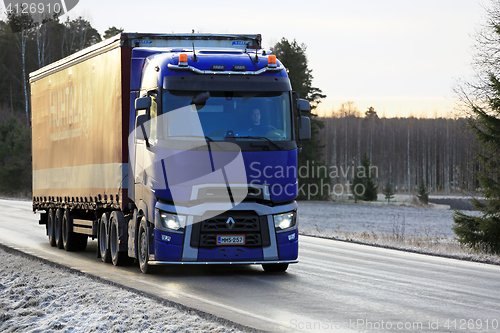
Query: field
x=400 y=225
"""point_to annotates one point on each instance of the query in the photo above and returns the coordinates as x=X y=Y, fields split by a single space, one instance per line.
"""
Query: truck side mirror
x=305 y=128
x=303 y=105
x=143 y=103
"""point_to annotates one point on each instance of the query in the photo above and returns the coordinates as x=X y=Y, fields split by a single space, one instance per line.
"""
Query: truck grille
x=241 y=223
x=246 y=223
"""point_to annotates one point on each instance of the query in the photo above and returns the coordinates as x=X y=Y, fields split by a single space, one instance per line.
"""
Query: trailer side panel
x=79 y=152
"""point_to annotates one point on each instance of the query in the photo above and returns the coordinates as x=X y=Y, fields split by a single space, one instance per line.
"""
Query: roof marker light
x=271 y=61
x=183 y=59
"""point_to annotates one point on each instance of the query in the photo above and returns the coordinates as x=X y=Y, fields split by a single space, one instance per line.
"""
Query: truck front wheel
x=142 y=250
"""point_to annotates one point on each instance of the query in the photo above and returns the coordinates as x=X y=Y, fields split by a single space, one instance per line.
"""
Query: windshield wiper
x=260 y=138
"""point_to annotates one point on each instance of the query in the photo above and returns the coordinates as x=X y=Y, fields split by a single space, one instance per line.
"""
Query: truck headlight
x=285 y=221
x=169 y=222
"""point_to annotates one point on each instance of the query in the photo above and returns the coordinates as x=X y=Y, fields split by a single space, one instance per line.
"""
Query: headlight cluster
x=285 y=221
x=169 y=222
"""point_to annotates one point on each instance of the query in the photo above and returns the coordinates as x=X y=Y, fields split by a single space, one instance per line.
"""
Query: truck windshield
x=221 y=115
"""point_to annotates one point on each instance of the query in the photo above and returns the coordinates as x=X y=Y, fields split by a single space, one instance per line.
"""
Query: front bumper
x=171 y=248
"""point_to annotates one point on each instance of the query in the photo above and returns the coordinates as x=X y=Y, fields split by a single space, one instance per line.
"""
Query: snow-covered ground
x=37 y=297
x=350 y=218
x=419 y=229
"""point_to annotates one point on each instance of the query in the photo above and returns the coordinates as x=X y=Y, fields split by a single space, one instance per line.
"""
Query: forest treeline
x=33 y=47
x=403 y=151
x=30 y=48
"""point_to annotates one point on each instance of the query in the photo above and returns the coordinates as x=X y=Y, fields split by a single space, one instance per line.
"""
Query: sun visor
x=226 y=83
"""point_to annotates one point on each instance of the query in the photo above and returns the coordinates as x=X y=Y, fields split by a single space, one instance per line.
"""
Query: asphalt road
x=336 y=286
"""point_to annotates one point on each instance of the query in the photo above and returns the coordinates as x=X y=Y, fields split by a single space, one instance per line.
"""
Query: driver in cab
x=258 y=127
x=255 y=118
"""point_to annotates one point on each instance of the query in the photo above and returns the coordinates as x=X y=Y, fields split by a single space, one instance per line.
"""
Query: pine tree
x=483 y=101
x=112 y=31
x=388 y=191
x=422 y=194
x=78 y=35
x=293 y=56
x=483 y=232
x=363 y=185
x=358 y=187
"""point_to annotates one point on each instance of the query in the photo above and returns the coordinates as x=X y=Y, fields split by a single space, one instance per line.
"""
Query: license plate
x=230 y=240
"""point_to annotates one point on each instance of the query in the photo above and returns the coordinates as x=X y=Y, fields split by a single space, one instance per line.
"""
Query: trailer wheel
x=72 y=241
x=58 y=217
x=118 y=257
x=51 y=227
x=275 y=268
x=142 y=247
x=103 y=238
x=67 y=234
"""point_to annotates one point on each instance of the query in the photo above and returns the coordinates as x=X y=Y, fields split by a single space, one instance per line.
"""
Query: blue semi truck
x=170 y=149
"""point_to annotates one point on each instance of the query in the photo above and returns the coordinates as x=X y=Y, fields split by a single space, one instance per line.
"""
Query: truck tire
x=66 y=230
x=103 y=238
x=275 y=268
x=58 y=217
x=118 y=258
x=142 y=247
x=51 y=227
x=72 y=241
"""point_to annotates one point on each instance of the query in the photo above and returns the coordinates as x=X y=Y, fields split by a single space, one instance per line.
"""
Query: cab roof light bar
x=272 y=66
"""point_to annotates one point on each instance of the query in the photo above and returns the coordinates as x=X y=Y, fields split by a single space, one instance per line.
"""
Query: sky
x=403 y=57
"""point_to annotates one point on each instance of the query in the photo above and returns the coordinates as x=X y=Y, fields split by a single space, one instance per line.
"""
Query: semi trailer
x=169 y=149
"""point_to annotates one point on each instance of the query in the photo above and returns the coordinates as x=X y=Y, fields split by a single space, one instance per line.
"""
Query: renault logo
x=230 y=223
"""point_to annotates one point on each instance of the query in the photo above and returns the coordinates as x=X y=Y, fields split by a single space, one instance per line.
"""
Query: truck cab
x=213 y=148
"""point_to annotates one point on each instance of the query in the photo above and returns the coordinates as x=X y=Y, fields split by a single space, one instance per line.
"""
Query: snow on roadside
x=37 y=297
x=379 y=219
x=416 y=229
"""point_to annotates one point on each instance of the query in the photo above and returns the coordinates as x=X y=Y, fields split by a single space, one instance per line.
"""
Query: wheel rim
x=102 y=239
x=113 y=240
x=142 y=249
x=64 y=230
x=57 y=229
x=50 y=226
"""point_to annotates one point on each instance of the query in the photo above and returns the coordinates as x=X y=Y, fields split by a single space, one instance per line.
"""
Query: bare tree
x=22 y=23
